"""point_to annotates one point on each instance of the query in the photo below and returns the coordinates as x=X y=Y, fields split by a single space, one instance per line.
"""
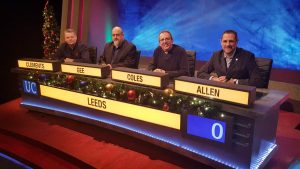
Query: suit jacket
x=126 y=56
x=79 y=53
x=243 y=67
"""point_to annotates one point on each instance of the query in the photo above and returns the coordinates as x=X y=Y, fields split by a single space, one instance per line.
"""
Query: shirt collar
x=230 y=56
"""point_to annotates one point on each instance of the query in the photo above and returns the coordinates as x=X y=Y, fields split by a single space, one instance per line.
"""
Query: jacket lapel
x=233 y=63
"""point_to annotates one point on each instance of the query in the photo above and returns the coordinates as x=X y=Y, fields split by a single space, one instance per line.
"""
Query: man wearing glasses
x=119 y=52
x=232 y=64
x=168 y=57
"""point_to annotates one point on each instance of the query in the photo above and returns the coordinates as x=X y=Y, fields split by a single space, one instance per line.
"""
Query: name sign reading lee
x=142 y=77
x=237 y=94
x=39 y=64
x=85 y=69
x=159 y=117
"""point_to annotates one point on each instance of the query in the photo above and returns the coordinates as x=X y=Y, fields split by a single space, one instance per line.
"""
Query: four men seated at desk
x=230 y=65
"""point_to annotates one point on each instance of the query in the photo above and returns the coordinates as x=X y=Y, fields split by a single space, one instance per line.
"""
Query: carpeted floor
x=52 y=142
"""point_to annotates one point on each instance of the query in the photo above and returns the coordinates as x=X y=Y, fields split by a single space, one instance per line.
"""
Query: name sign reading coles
x=39 y=64
x=85 y=69
x=238 y=94
x=159 y=117
x=142 y=77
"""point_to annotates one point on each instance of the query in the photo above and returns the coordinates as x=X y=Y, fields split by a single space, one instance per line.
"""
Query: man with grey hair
x=72 y=50
x=119 y=52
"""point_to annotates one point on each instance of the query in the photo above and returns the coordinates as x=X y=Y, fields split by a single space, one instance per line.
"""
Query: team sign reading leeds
x=213 y=92
x=159 y=117
x=136 y=78
x=83 y=70
x=35 y=65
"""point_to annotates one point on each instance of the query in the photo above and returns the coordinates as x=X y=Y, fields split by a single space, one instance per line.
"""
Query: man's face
x=165 y=41
x=70 y=38
x=228 y=43
x=117 y=37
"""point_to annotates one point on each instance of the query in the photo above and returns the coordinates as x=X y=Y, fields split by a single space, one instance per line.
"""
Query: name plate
x=142 y=77
x=237 y=94
x=39 y=64
x=85 y=69
x=158 y=117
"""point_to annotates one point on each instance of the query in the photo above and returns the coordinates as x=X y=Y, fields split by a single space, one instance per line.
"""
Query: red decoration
x=166 y=107
x=131 y=95
x=70 y=79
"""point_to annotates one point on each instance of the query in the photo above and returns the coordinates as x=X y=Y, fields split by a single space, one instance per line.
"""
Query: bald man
x=119 y=52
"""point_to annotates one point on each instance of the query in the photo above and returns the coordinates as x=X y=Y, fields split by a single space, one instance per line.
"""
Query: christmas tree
x=50 y=32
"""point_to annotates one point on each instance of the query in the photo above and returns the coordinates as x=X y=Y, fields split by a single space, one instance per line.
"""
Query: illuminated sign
x=85 y=69
x=159 y=117
x=30 y=87
x=142 y=77
x=206 y=128
x=243 y=95
x=39 y=64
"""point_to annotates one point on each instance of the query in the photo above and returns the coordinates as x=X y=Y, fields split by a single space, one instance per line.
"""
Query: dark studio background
x=21 y=29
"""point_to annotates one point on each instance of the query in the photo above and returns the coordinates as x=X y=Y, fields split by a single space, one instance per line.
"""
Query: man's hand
x=69 y=60
x=219 y=79
x=232 y=81
x=159 y=70
x=109 y=65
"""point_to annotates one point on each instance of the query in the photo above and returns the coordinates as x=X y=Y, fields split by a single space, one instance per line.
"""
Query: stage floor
x=46 y=141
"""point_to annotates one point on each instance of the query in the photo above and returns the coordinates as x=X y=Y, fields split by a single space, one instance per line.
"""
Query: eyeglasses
x=164 y=39
x=117 y=34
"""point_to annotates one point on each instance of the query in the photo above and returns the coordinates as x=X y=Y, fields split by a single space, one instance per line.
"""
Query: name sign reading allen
x=237 y=94
x=159 y=117
x=39 y=64
x=142 y=77
x=85 y=69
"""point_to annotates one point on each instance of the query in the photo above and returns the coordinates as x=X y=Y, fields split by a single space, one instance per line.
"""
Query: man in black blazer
x=232 y=64
x=119 y=52
x=72 y=50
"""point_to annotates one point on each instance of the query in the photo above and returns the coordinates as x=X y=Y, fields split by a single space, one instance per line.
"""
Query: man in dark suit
x=72 y=50
x=119 y=52
x=232 y=64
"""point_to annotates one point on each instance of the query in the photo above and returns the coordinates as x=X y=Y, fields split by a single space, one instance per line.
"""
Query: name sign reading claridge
x=142 y=77
x=39 y=64
x=238 y=94
x=85 y=69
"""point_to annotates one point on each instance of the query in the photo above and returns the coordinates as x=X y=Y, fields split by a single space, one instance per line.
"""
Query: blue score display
x=206 y=128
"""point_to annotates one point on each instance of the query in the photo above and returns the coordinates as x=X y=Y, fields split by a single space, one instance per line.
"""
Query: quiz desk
x=214 y=132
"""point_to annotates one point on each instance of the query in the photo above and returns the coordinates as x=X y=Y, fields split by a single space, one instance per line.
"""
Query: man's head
x=165 y=40
x=70 y=37
x=229 y=41
x=117 y=36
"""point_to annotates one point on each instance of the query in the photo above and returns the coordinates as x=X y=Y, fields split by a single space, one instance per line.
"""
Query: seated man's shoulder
x=178 y=47
x=128 y=43
x=245 y=52
x=217 y=53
